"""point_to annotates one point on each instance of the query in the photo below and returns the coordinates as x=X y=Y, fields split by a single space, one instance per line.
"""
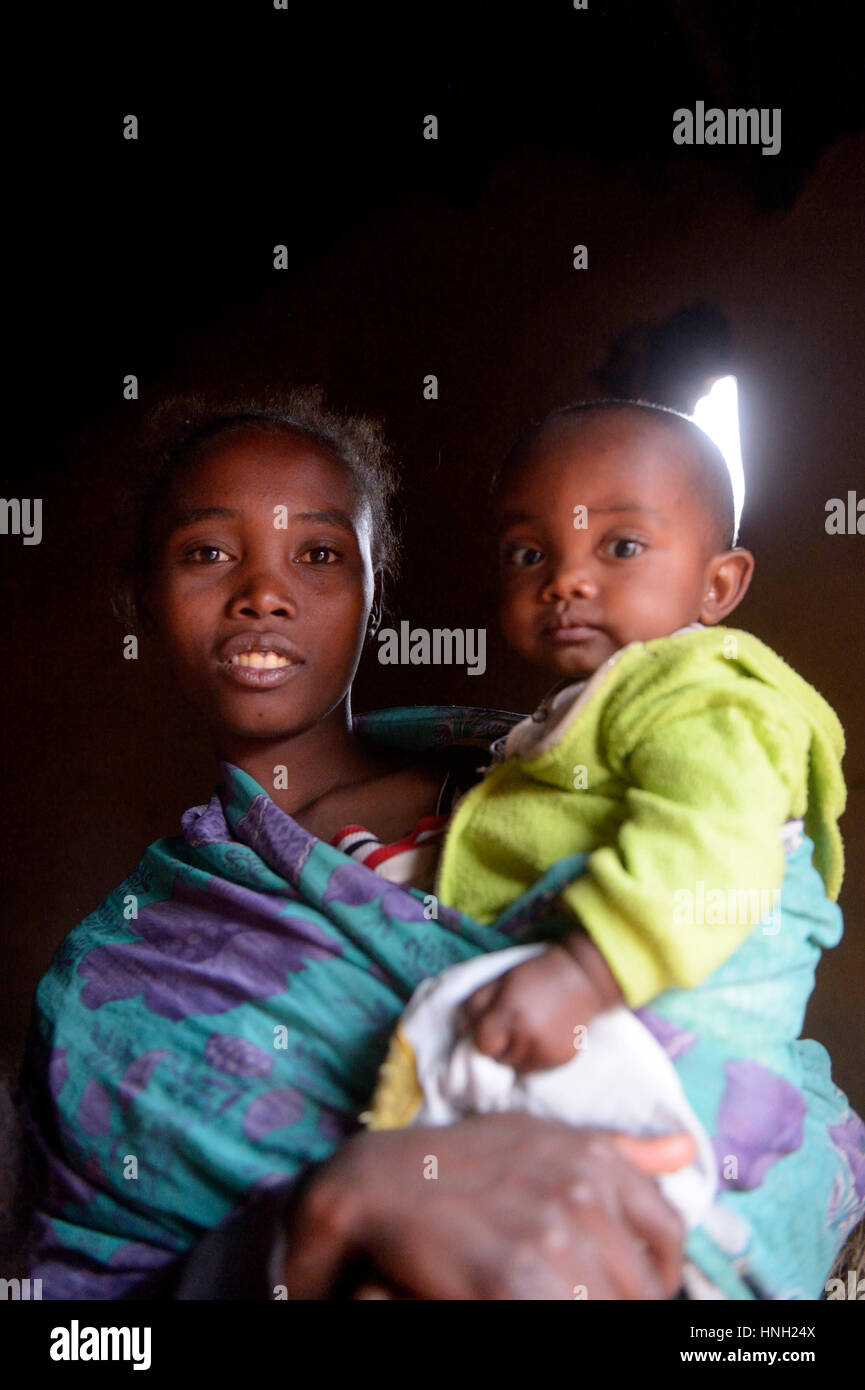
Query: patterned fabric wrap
x=217 y=1024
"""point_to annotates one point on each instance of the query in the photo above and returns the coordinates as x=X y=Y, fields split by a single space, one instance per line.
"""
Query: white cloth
x=620 y=1078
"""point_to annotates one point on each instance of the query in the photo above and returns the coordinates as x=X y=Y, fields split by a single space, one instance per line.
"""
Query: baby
x=676 y=767
x=615 y=527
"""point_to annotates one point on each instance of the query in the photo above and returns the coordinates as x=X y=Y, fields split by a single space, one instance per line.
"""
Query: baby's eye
x=320 y=555
x=625 y=548
x=522 y=555
x=205 y=550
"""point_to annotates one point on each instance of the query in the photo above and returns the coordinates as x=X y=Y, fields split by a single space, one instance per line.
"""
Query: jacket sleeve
x=697 y=861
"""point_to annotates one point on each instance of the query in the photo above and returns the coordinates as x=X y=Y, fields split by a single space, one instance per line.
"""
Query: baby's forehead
x=624 y=435
x=615 y=453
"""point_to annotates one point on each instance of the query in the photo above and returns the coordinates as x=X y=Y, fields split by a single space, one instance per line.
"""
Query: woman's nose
x=263 y=595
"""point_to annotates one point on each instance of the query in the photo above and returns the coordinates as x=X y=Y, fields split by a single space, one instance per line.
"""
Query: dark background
x=410 y=257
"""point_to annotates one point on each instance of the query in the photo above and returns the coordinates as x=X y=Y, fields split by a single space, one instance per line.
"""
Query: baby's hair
x=179 y=425
x=709 y=469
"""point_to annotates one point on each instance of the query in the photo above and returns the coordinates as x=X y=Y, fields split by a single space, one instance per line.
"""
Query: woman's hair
x=179 y=425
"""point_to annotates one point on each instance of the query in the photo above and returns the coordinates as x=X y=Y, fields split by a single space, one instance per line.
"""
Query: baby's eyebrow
x=513 y=518
x=517 y=518
x=626 y=507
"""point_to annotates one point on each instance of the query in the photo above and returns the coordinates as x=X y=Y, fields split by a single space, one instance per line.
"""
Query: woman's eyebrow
x=190 y=515
x=330 y=516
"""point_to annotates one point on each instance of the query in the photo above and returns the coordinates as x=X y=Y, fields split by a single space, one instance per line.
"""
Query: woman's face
x=263 y=582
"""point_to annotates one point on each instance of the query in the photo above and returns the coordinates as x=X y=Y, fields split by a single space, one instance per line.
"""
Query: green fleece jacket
x=673 y=770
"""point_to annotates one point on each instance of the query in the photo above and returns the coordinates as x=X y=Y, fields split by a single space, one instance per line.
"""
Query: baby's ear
x=728 y=577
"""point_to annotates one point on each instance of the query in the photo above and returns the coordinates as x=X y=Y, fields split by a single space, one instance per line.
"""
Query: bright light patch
x=717 y=414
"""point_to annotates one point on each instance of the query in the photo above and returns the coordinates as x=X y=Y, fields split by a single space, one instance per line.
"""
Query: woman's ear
x=728 y=577
x=374 y=621
x=144 y=611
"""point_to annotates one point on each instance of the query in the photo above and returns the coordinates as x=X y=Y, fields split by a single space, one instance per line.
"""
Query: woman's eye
x=522 y=556
x=624 y=548
x=208 y=551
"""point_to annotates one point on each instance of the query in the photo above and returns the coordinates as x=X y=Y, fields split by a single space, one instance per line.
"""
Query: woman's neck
x=298 y=770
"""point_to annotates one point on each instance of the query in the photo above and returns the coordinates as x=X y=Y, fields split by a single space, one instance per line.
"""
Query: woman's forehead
x=253 y=461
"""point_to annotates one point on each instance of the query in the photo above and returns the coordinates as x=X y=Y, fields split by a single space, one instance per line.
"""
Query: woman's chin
x=261 y=725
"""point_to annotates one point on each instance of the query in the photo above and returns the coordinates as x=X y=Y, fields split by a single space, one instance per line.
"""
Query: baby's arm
x=711 y=770
x=531 y=1016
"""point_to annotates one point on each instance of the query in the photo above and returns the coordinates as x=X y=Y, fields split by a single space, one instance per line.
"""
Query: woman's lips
x=259 y=660
x=258 y=677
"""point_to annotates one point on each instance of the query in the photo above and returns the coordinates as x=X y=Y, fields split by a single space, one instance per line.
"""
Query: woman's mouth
x=259 y=661
x=259 y=670
x=262 y=661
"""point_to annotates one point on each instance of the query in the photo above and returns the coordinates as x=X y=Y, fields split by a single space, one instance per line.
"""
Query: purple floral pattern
x=58 y=1071
x=274 y=1110
x=138 y=1074
x=203 y=952
x=237 y=1056
x=234 y=915
x=276 y=837
x=94 y=1109
x=847 y=1203
x=674 y=1040
x=206 y=825
x=761 y=1120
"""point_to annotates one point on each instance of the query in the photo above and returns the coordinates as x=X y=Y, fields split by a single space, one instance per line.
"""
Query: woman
x=207 y=1037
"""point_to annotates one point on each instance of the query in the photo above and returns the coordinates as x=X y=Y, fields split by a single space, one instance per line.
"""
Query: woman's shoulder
x=427 y=728
x=109 y=925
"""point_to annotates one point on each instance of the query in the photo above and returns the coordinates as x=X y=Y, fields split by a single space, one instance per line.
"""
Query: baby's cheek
x=513 y=622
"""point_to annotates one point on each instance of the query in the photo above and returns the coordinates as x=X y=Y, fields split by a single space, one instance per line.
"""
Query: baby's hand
x=530 y=1016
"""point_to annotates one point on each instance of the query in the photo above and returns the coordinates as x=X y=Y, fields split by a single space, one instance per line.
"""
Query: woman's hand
x=493 y=1207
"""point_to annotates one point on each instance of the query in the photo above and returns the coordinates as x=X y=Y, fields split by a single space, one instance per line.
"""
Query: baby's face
x=602 y=542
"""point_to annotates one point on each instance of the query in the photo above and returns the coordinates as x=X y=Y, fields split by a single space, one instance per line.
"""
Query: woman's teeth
x=262 y=660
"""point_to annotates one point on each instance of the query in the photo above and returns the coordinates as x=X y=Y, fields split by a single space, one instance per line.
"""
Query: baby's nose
x=573 y=581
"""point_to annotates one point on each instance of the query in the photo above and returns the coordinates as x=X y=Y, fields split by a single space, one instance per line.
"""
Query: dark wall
x=471 y=280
